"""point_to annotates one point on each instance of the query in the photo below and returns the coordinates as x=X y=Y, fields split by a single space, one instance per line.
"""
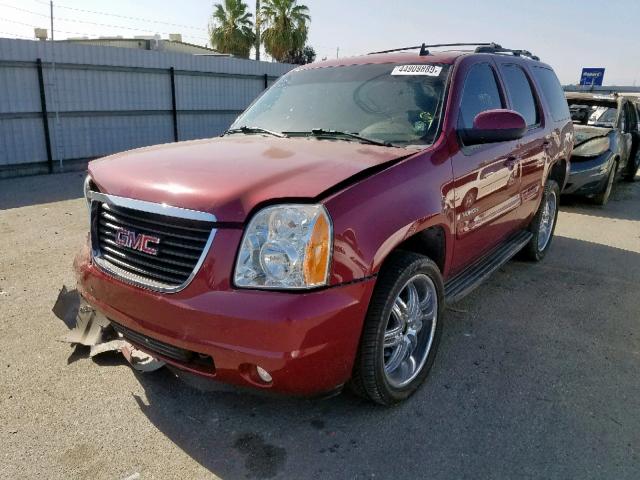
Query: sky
x=567 y=34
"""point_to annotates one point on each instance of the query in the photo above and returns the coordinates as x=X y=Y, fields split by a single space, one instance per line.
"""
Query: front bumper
x=588 y=175
x=306 y=341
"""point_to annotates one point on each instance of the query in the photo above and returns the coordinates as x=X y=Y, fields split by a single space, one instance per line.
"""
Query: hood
x=582 y=133
x=229 y=176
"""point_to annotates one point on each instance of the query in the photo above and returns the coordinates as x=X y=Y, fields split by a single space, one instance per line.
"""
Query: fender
x=372 y=217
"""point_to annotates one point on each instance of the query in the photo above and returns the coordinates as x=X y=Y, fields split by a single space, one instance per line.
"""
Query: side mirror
x=492 y=126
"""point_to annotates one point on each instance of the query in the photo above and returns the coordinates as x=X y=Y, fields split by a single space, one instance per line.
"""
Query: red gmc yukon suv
x=316 y=243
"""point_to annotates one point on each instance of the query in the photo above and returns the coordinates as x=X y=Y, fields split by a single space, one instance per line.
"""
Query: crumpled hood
x=587 y=132
x=229 y=176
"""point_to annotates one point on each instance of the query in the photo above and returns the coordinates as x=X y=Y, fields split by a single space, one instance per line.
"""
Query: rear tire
x=543 y=224
x=603 y=197
x=395 y=353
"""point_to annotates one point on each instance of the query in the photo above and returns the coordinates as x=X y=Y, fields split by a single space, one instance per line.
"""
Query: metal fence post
x=45 y=115
x=266 y=81
x=174 y=107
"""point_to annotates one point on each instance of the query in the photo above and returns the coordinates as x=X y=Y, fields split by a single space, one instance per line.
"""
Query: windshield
x=593 y=114
x=389 y=103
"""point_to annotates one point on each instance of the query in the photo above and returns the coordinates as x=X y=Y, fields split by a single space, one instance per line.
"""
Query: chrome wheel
x=410 y=330
x=546 y=220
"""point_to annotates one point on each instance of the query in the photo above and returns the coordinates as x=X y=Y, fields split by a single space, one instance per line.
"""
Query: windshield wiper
x=249 y=130
x=321 y=132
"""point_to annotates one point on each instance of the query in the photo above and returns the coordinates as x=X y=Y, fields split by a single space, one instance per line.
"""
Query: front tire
x=543 y=224
x=603 y=197
x=469 y=199
x=402 y=330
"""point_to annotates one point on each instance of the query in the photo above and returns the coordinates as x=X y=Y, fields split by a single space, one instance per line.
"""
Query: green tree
x=302 y=57
x=231 y=28
x=285 y=27
x=258 y=39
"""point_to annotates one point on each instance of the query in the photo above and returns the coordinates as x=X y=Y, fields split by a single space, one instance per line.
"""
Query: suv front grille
x=178 y=242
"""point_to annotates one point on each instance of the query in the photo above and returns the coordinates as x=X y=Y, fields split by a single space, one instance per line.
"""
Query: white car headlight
x=87 y=189
x=592 y=148
x=286 y=247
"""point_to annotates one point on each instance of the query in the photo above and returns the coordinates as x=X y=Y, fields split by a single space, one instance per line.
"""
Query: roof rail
x=424 y=47
x=495 y=48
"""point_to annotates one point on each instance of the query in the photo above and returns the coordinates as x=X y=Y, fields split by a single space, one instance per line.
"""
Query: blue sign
x=592 y=76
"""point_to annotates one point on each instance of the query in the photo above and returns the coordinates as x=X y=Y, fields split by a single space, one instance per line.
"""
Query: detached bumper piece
x=96 y=331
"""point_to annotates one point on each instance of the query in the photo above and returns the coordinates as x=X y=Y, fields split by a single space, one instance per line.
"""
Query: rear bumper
x=306 y=341
x=588 y=176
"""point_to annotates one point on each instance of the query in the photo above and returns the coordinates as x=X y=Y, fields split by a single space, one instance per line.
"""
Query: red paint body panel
x=499 y=119
x=308 y=340
x=229 y=176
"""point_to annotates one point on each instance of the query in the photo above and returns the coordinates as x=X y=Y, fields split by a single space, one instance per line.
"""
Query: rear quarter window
x=552 y=92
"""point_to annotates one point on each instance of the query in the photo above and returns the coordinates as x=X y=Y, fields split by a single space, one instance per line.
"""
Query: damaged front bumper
x=306 y=342
x=94 y=330
x=588 y=175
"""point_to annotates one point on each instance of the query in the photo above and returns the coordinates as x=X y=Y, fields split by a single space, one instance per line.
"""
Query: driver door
x=486 y=177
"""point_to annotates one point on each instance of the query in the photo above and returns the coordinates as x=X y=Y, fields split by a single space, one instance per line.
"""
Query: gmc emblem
x=137 y=241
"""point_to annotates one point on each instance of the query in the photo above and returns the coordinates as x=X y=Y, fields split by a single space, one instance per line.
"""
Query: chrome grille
x=184 y=239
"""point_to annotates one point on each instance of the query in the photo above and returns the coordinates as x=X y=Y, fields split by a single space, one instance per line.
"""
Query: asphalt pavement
x=537 y=375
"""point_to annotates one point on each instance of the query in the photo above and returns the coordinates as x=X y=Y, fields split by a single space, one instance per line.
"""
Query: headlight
x=286 y=246
x=592 y=148
x=87 y=189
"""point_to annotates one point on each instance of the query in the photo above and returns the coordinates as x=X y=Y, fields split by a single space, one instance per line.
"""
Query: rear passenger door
x=486 y=177
x=530 y=151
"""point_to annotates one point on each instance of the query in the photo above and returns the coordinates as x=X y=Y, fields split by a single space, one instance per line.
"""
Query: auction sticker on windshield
x=430 y=70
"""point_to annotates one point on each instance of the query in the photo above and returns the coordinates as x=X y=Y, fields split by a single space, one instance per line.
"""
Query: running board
x=463 y=283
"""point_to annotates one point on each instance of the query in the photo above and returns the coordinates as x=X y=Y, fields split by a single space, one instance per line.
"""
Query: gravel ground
x=537 y=374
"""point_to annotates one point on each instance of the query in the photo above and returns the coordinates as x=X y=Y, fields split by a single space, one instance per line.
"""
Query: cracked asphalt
x=536 y=377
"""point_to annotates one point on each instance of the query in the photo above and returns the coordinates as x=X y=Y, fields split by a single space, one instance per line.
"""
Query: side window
x=520 y=93
x=480 y=93
x=552 y=91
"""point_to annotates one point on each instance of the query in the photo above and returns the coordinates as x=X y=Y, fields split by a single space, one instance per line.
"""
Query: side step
x=463 y=283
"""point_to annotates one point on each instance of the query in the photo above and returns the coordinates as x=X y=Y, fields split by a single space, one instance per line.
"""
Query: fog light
x=263 y=374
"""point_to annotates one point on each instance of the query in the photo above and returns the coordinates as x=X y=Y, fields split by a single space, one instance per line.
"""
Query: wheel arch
x=432 y=241
x=560 y=172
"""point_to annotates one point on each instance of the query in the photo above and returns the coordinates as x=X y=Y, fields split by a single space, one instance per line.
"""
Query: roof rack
x=480 y=48
x=495 y=48
x=424 y=47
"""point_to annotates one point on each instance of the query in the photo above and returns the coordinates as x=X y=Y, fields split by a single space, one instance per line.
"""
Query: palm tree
x=231 y=28
x=285 y=25
x=258 y=40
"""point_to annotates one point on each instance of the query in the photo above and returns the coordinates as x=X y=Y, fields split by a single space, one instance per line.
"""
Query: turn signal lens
x=316 y=258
